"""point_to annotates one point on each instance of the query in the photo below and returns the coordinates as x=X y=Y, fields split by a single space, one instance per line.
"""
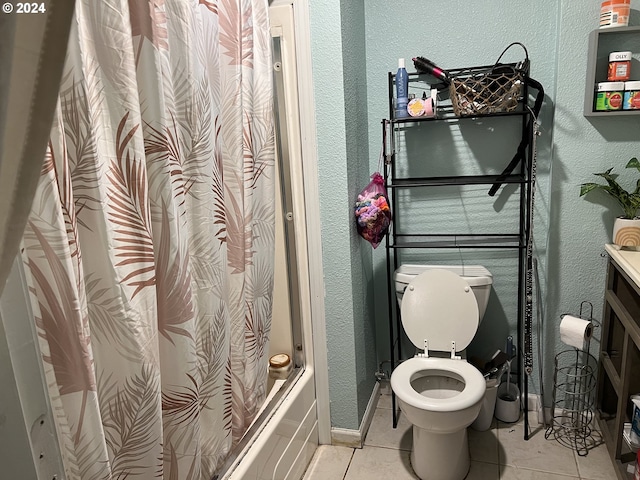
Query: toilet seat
x=439 y=306
x=472 y=393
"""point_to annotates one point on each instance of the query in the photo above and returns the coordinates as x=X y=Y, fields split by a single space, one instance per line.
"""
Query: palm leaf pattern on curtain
x=55 y=270
x=61 y=327
x=163 y=146
x=211 y=362
x=256 y=333
x=62 y=179
x=129 y=210
x=263 y=225
x=88 y=449
x=198 y=158
x=81 y=144
x=110 y=324
x=220 y=212
x=148 y=21
x=239 y=48
x=70 y=358
x=185 y=404
x=129 y=423
x=63 y=321
x=175 y=305
x=210 y=5
x=239 y=245
x=227 y=394
x=255 y=162
x=150 y=244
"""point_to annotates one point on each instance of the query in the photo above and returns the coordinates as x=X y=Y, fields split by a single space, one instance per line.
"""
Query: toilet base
x=440 y=456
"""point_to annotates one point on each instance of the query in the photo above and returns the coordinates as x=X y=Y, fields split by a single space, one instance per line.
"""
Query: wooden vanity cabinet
x=619 y=366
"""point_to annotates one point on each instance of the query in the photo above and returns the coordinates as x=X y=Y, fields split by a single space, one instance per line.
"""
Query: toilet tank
x=477 y=276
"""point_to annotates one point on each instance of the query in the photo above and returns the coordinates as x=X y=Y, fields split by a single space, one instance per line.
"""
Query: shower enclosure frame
x=302 y=409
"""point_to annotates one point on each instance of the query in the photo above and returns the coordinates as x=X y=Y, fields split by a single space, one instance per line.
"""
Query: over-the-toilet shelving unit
x=397 y=240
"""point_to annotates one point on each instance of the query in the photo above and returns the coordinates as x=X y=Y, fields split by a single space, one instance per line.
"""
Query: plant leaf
x=604 y=174
x=634 y=163
x=587 y=187
x=634 y=203
x=615 y=190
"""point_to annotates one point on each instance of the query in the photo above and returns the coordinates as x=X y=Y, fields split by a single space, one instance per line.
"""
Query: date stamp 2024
x=24 y=7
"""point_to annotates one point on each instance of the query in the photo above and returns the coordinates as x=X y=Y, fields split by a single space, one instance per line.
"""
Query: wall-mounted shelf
x=601 y=43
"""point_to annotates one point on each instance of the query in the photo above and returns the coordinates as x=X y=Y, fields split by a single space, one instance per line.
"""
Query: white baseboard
x=346 y=437
x=534 y=405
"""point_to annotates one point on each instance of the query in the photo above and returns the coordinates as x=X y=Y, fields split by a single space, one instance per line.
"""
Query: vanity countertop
x=629 y=261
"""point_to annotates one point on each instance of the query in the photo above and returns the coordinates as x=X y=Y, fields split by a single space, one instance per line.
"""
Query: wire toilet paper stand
x=574 y=388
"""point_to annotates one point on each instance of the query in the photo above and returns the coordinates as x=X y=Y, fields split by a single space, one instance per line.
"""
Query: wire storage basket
x=485 y=90
x=574 y=394
x=574 y=389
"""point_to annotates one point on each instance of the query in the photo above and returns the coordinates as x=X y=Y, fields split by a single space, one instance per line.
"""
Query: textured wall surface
x=340 y=89
x=569 y=231
x=357 y=124
x=580 y=227
x=336 y=241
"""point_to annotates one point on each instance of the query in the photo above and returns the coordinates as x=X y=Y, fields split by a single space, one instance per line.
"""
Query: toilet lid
x=439 y=306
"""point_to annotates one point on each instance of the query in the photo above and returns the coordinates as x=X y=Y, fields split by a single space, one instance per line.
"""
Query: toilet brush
x=507 y=395
x=501 y=370
x=507 y=403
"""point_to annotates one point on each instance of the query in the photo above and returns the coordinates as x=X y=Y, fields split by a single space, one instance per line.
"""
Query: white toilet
x=437 y=390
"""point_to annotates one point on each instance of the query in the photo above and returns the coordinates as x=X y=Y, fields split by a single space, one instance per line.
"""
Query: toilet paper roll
x=574 y=331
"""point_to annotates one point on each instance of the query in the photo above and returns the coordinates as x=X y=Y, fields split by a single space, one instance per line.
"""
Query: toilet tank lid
x=475 y=275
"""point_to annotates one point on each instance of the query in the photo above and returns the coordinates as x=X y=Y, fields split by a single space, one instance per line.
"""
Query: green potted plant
x=626 y=229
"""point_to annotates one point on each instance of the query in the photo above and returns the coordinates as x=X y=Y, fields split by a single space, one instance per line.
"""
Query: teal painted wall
x=355 y=44
x=357 y=125
x=338 y=49
x=580 y=227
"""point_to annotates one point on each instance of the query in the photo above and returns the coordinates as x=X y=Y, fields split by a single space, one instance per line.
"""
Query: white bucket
x=483 y=422
x=508 y=406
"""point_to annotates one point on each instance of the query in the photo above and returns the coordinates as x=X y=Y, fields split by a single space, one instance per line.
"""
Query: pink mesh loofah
x=372 y=211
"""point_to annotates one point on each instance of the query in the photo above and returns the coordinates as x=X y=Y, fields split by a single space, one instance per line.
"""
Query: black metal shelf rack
x=396 y=240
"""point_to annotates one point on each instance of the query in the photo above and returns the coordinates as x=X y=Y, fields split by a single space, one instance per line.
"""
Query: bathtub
x=281 y=447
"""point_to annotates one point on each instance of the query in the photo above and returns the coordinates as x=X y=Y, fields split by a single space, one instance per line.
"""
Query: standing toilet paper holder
x=574 y=388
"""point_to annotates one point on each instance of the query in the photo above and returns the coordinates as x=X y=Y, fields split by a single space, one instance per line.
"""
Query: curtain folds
x=150 y=240
x=32 y=50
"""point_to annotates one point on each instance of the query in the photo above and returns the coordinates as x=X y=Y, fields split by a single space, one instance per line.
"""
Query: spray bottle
x=402 y=88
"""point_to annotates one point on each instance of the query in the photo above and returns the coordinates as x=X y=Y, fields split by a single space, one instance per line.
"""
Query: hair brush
x=424 y=65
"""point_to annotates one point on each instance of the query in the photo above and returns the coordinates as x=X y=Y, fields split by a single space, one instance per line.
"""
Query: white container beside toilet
x=483 y=422
x=438 y=391
x=508 y=403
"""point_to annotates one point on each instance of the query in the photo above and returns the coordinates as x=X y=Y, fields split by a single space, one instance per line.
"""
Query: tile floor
x=499 y=453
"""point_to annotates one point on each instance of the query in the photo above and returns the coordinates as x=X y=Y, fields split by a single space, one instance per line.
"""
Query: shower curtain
x=149 y=246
